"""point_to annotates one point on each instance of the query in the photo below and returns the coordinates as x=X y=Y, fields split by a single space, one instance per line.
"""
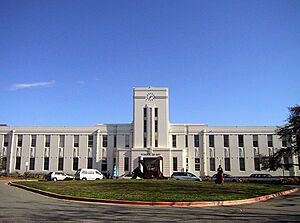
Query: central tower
x=150 y=117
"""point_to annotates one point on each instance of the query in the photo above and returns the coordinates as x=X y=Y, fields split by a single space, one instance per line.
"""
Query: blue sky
x=76 y=62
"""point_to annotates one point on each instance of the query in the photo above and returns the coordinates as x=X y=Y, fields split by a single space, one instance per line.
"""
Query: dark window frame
x=175 y=164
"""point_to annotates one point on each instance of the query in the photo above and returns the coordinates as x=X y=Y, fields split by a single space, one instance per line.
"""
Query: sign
x=115 y=171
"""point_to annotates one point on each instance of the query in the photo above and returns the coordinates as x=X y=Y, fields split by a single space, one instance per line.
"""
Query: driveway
x=17 y=205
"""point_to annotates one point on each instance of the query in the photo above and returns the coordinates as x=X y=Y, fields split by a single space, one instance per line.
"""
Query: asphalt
x=17 y=205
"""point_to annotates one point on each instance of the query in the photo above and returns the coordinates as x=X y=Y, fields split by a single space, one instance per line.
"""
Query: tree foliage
x=291 y=133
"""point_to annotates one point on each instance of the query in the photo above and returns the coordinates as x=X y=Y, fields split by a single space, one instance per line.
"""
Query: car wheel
x=83 y=178
x=54 y=179
x=97 y=179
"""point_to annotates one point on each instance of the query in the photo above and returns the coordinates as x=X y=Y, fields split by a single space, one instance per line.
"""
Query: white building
x=183 y=147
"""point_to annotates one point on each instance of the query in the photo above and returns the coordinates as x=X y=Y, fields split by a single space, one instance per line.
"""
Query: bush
x=34 y=175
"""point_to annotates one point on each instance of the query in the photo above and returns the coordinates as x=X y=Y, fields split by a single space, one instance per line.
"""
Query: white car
x=88 y=174
x=185 y=176
x=59 y=175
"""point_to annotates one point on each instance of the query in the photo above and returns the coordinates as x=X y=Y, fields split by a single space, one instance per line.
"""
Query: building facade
x=197 y=148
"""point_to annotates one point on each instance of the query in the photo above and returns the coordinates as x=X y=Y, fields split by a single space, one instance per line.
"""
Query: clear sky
x=76 y=62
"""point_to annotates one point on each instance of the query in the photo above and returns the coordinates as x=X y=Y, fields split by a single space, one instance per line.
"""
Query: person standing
x=220 y=176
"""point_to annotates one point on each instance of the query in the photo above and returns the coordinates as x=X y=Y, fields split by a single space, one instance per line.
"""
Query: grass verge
x=157 y=190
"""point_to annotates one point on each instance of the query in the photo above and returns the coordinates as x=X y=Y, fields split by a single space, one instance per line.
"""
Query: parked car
x=185 y=176
x=88 y=174
x=228 y=178
x=59 y=175
x=266 y=178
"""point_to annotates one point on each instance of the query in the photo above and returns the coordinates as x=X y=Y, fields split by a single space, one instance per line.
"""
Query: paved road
x=17 y=205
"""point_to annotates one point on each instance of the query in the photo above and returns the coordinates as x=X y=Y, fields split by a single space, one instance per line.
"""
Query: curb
x=163 y=203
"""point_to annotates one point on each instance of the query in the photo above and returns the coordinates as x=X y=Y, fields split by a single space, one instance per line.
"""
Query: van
x=88 y=174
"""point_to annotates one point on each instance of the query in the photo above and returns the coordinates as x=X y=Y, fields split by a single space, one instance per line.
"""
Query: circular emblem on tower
x=150 y=97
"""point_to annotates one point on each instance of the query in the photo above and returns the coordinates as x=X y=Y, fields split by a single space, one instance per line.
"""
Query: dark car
x=266 y=178
x=228 y=178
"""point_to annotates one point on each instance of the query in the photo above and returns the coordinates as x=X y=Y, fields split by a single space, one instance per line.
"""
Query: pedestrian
x=220 y=176
x=108 y=174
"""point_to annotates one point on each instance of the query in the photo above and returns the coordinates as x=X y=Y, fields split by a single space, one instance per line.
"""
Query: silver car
x=185 y=176
x=228 y=178
x=266 y=178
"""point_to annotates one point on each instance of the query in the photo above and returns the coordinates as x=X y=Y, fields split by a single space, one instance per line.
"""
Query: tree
x=290 y=133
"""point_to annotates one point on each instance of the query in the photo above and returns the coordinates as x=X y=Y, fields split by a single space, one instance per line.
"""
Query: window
x=242 y=159
x=18 y=151
x=90 y=152
x=145 y=112
x=226 y=140
x=241 y=140
x=90 y=141
x=115 y=141
x=18 y=163
x=186 y=141
x=145 y=142
x=126 y=163
x=20 y=140
x=187 y=164
x=145 y=125
x=242 y=164
x=156 y=125
x=3 y=163
x=104 y=165
x=256 y=159
x=196 y=140
x=90 y=163
x=211 y=140
x=47 y=140
x=227 y=163
x=104 y=140
x=75 y=163
x=197 y=164
x=60 y=152
x=284 y=142
x=61 y=141
x=126 y=141
x=256 y=164
x=60 y=163
x=76 y=140
x=212 y=164
x=255 y=140
x=31 y=163
x=175 y=167
x=156 y=112
x=156 y=142
x=46 y=163
x=5 y=140
x=227 y=159
x=33 y=140
x=286 y=163
x=174 y=141
x=32 y=152
x=270 y=140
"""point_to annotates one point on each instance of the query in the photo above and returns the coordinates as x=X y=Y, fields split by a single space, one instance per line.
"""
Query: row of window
x=61 y=163
x=62 y=141
x=155 y=125
x=211 y=141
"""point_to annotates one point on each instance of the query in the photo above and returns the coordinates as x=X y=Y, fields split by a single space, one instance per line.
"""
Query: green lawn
x=157 y=190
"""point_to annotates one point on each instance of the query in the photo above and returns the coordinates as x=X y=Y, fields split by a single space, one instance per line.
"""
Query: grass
x=157 y=190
